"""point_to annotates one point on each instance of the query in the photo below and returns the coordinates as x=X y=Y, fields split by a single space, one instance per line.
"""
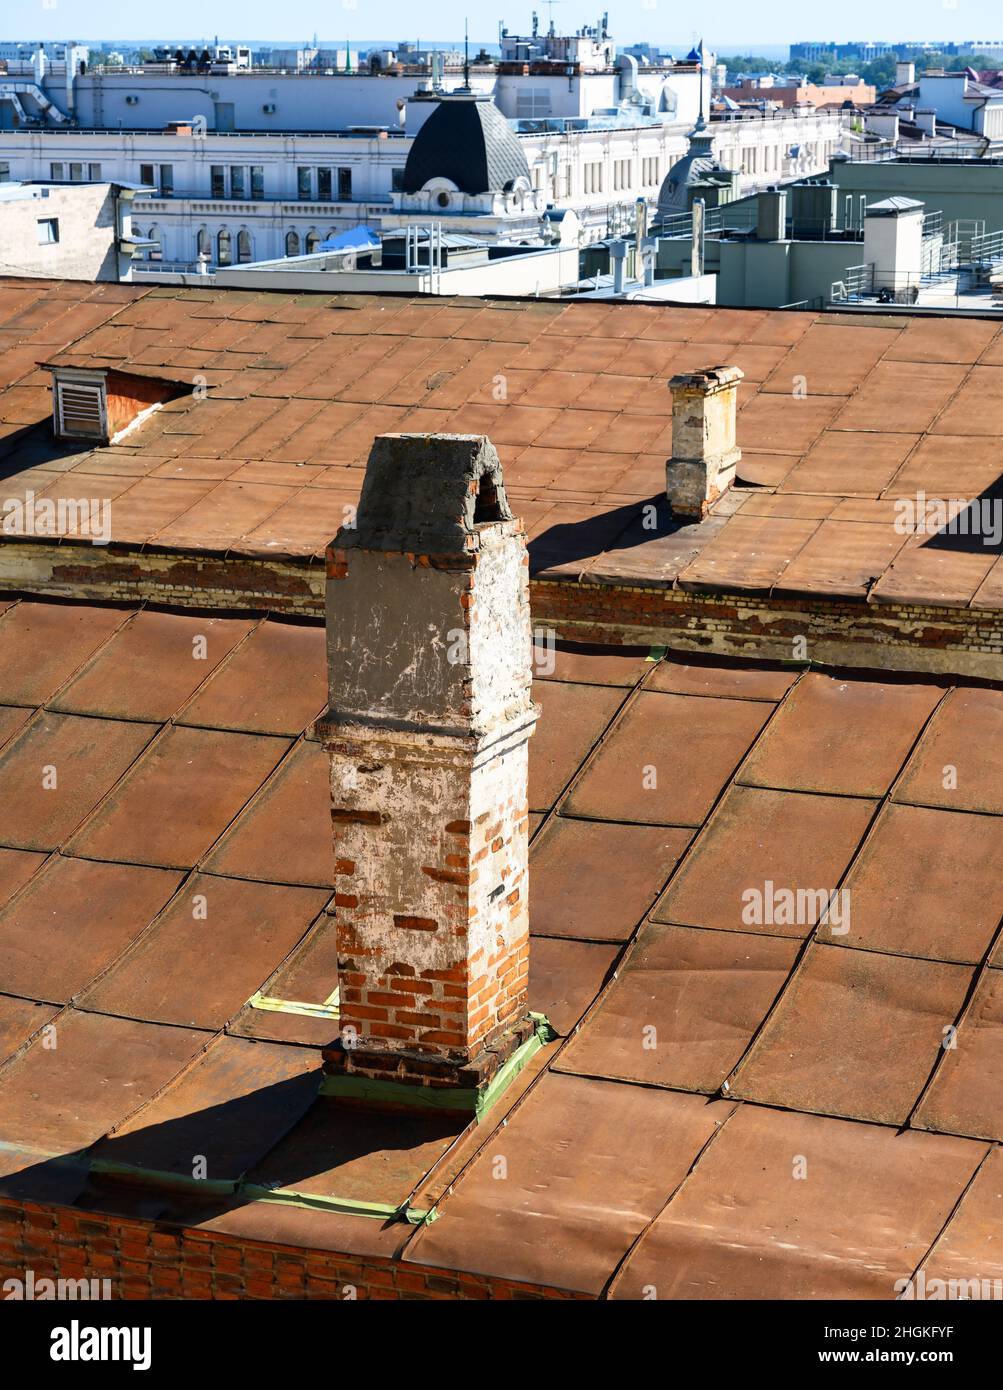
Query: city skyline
x=630 y=21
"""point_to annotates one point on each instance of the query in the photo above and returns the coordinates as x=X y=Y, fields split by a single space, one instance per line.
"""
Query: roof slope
x=182 y=867
x=840 y=418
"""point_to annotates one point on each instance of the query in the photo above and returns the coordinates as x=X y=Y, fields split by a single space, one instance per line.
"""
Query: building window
x=156 y=250
x=567 y=180
x=166 y=180
x=146 y=175
x=325 y=186
x=94 y=172
x=243 y=246
x=76 y=172
x=236 y=182
x=203 y=242
x=304 y=184
x=344 y=185
x=48 y=230
x=593 y=178
x=292 y=243
x=649 y=171
x=4 y=173
x=312 y=241
x=224 y=247
x=257 y=180
x=397 y=180
x=217 y=180
x=56 y=173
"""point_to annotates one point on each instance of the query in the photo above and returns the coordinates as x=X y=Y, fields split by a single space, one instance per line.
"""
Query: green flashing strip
x=223 y=1187
x=471 y=1101
x=476 y=1103
x=543 y=1033
x=329 y=1008
x=656 y=653
x=311 y=1201
x=401 y=1092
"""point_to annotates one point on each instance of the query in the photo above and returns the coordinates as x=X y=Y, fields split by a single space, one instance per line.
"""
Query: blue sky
x=730 y=22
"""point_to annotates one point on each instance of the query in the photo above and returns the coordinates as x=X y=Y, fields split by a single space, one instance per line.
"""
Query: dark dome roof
x=468 y=142
x=673 y=196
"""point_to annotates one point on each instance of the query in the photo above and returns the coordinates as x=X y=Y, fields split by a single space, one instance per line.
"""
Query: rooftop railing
x=783 y=113
x=376 y=133
x=908 y=152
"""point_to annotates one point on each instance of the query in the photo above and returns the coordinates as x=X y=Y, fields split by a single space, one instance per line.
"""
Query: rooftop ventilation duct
x=101 y=405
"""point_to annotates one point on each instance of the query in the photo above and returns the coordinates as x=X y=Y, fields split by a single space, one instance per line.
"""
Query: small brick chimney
x=429 y=660
x=704 y=453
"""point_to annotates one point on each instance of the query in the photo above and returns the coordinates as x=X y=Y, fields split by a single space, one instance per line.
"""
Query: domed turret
x=469 y=142
x=696 y=163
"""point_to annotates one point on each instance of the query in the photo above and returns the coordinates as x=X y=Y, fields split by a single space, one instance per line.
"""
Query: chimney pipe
x=771 y=214
x=618 y=255
x=704 y=454
x=697 y=229
x=429 y=659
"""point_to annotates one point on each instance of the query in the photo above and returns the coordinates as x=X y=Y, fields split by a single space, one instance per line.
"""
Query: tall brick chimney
x=429 y=660
x=704 y=453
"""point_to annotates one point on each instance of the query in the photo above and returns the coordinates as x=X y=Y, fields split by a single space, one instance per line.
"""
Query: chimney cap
x=428 y=494
x=706 y=381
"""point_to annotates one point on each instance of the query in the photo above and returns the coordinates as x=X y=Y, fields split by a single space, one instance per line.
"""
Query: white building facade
x=253 y=165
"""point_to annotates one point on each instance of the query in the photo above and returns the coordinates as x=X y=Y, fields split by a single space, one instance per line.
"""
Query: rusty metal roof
x=840 y=416
x=176 y=876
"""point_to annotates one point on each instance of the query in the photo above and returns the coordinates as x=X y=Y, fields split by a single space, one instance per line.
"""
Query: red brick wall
x=128 y=396
x=956 y=640
x=144 y=1260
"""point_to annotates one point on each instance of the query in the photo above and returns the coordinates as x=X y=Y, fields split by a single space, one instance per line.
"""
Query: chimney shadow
x=977 y=529
x=34 y=446
x=621 y=528
x=282 y=1135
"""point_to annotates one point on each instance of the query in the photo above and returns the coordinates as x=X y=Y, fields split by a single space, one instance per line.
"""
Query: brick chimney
x=429 y=660
x=704 y=454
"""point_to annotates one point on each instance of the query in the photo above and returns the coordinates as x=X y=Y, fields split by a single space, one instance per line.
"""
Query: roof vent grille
x=81 y=410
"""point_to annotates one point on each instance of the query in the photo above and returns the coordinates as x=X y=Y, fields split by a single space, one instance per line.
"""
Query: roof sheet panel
x=795 y=1206
x=179 y=798
x=573 y=1198
x=239 y=933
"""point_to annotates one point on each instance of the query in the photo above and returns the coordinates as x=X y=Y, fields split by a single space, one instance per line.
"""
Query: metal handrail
x=905 y=152
x=385 y=132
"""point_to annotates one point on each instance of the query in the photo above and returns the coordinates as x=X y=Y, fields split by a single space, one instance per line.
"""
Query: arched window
x=292 y=243
x=156 y=253
x=243 y=246
x=203 y=242
x=224 y=247
x=312 y=241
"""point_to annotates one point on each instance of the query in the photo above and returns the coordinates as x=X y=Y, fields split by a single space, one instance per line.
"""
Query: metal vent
x=80 y=411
